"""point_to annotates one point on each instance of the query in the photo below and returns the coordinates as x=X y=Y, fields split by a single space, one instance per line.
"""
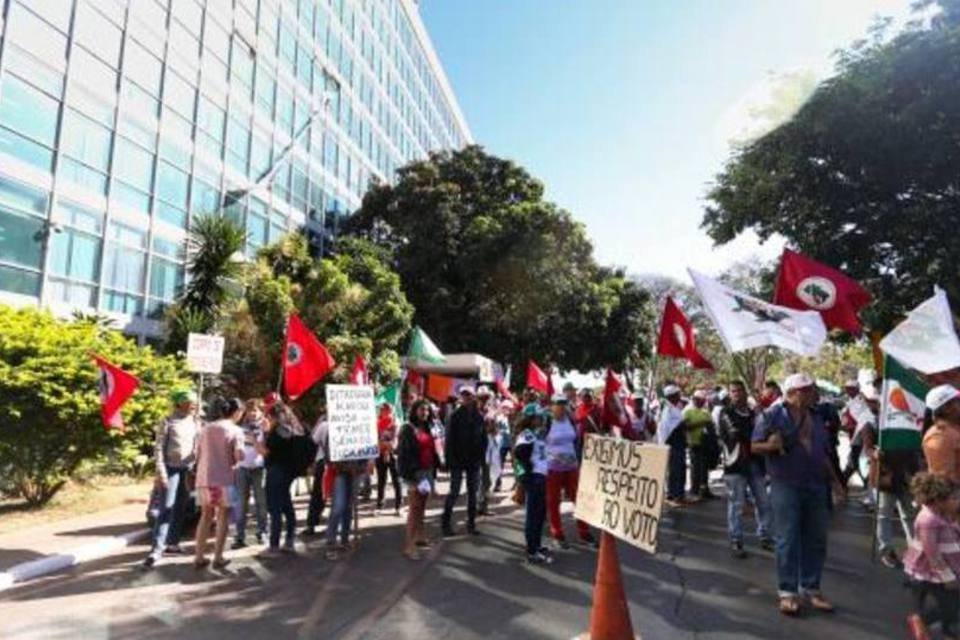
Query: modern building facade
x=123 y=120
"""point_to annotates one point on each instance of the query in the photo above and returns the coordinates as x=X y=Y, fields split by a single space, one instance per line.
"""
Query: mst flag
x=676 y=337
x=422 y=348
x=305 y=359
x=745 y=322
x=807 y=284
x=901 y=407
x=116 y=387
x=538 y=380
x=359 y=375
x=926 y=340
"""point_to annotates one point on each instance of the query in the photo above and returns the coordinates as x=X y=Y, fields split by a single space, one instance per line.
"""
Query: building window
x=28 y=111
x=124 y=267
x=97 y=34
x=85 y=140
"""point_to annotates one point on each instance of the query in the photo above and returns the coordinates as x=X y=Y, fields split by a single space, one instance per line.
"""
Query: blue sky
x=627 y=108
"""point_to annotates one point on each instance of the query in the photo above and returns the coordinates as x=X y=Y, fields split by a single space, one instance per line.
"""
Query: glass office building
x=123 y=120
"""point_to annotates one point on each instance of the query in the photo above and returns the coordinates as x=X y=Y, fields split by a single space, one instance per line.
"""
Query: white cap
x=869 y=392
x=722 y=394
x=467 y=389
x=851 y=384
x=797 y=381
x=939 y=396
x=700 y=394
x=483 y=390
x=671 y=390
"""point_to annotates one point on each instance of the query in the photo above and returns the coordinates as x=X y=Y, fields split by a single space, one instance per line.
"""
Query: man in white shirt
x=670 y=431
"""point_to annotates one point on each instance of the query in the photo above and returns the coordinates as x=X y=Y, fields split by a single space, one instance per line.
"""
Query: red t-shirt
x=425 y=447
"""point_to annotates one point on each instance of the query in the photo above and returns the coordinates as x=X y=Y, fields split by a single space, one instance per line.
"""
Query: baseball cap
x=483 y=390
x=181 y=396
x=939 y=396
x=671 y=390
x=467 y=390
x=797 y=381
x=559 y=399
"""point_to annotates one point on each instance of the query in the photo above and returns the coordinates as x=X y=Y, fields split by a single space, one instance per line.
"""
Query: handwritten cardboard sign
x=204 y=353
x=352 y=420
x=621 y=490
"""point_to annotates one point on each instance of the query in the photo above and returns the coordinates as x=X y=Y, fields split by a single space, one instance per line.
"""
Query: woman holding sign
x=417 y=460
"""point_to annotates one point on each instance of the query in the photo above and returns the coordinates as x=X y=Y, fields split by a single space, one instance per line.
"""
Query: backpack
x=303 y=453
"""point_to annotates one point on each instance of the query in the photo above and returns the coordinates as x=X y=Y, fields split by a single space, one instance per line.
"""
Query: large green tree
x=866 y=175
x=490 y=266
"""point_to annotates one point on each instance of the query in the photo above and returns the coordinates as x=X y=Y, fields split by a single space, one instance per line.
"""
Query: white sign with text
x=204 y=353
x=352 y=420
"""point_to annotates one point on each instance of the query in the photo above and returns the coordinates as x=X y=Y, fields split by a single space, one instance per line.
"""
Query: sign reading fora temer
x=621 y=488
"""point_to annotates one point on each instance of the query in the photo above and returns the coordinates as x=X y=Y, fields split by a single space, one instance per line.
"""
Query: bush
x=50 y=407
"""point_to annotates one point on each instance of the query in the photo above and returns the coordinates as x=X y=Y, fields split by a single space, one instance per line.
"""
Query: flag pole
x=283 y=354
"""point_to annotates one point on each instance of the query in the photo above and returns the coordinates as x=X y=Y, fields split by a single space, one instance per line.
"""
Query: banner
x=621 y=489
x=440 y=388
x=926 y=340
x=901 y=407
x=352 y=422
x=745 y=322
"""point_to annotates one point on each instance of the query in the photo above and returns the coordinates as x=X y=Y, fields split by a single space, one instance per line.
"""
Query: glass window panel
x=216 y=39
x=21 y=239
x=26 y=150
x=166 y=279
x=171 y=215
x=41 y=75
x=85 y=140
x=36 y=36
x=205 y=198
x=130 y=197
x=266 y=89
x=242 y=62
x=142 y=66
x=188 y=12
x=72 y=293
x=172 y=185
x=75 y=255
x=210 y=117
x=24 y=197
x=56 y=12
x=133 y=164
x=97 y=33
x=122 y=303
x=90 y=74
x=28 y=111
x=18 y=281
x=82 y=175
x=79 y=216
x=169 y=248
x=256 y=229
x=140 y=102
x=183 y=42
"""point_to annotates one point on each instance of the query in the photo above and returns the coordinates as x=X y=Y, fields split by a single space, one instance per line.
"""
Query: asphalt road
x=466 y=588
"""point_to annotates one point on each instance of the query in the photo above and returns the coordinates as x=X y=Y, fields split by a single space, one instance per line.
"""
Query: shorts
x=213 y=497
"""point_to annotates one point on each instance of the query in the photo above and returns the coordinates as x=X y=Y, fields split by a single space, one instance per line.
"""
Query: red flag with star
x=305 y=360
x=116 y=387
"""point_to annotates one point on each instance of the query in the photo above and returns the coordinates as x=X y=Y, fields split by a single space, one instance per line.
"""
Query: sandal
x=220 y=564
x=201 y=563
x=789 y=606
x=820 y=603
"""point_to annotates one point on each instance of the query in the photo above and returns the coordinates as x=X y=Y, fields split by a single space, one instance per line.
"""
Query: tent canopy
x=463 y=365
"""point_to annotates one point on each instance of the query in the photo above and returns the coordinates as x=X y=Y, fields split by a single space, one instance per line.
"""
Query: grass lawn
x=75 y=499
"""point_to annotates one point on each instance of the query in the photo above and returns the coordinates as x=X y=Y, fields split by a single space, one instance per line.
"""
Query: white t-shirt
x=670 y=418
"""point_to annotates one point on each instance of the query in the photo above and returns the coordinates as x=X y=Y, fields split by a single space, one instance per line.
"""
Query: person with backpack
x=219 y=449
x=416 y=461
x=286 y=456
x=175 y=453
x=530 y=456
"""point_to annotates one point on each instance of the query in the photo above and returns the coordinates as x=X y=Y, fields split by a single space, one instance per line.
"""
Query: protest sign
x=352 y=421
x=622 y=487
x=204 y=353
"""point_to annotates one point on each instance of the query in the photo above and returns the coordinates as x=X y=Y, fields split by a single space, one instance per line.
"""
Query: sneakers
x=539 y=558
x=736 y=550
x=149 y=561
x=889 y=559
x=767 y=543
x=174 y=550
x=288 y=546
x=561 y=543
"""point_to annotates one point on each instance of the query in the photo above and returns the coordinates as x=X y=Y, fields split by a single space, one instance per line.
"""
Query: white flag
x=745 y=322
x=926 y=340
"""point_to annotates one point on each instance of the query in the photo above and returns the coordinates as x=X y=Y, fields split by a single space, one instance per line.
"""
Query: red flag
x=417 y=380
x=807 y=284
x=538 y=380
x=116 y=387
x=677 y=339
x=305 y=359
x=359 y=375
x=614 y=414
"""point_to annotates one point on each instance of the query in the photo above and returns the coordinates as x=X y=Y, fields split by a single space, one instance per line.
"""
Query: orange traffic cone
x=610 y=616
x=918 y=630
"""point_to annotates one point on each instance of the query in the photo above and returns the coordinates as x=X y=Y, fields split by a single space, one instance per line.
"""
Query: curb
x=24 y=571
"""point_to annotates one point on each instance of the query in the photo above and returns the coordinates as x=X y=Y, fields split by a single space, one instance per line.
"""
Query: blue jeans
x=801 y=518
x=456 y=481
x=279 y=503
x=341 y=509
x=737 y=486
x=317 y=502
x=535 y=487
x=677 y=470
x=166 y=529
x=251 y=481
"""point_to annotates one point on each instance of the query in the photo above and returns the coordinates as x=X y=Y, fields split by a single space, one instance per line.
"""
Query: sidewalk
x=34 y=551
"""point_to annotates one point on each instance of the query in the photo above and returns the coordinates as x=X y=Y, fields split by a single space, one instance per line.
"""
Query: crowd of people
x=778 y=450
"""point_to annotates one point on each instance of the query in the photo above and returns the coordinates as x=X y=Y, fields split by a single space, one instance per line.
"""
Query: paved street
x=466 y=588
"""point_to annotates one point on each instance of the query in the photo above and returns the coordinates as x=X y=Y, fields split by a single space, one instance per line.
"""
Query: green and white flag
x=392 y=395
x=901 y=407
x=422 y=348
x=926 y=340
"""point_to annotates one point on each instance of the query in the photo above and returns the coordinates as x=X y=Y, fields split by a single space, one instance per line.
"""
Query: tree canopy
x=490 y=266
x=866 y=175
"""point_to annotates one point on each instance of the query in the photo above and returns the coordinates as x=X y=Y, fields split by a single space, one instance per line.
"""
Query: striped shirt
x=934 y=552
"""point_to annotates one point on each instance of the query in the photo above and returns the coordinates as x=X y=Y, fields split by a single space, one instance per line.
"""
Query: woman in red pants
x=562 y=471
